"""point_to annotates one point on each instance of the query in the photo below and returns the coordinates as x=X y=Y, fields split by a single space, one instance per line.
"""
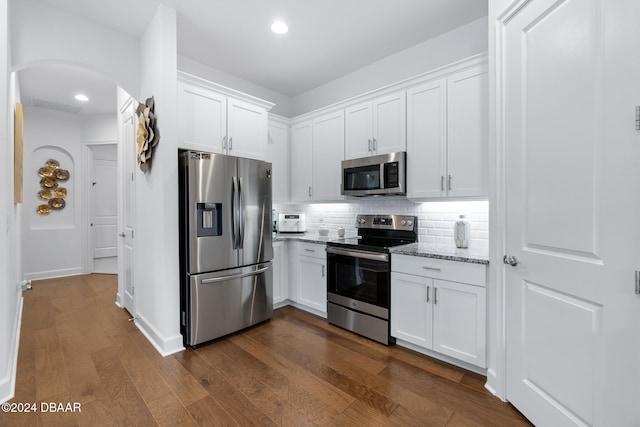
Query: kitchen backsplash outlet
x=436 y=219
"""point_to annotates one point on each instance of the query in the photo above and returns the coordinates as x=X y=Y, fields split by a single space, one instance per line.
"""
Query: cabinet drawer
x=455 y=271
x=311 y=250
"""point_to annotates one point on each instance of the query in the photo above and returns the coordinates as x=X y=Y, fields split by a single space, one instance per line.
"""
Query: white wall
x=283 y=102
x=463 y=42
x=60 y=135
x=156 y=275
x=9 y=297
x=99 y=127
x=41 y=33
x=52 y=244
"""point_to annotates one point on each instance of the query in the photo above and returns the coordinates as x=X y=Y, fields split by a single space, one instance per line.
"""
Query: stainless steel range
x=359 y=274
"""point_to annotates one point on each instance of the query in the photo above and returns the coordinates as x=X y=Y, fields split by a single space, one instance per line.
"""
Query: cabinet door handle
x=323 y=271
x=370 y=145
x=230 y=143
x=309 y=191
x=431 y=268
x=375 y=144
x=449 y=184
x=441 y=182
x=309 y=250
x=435 y=295
x=428 y=291
x=224 y=142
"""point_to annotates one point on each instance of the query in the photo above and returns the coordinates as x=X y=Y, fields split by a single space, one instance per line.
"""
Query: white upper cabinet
x=277 y=152
x=247 y=129
x=202 y=118
x=427 y=139
x=328 y=153
x=301 y=162
x=447 y=136
x=317 y=151
x=376 y=127
x=468 y=133
x=220 y=120
x=358 y=131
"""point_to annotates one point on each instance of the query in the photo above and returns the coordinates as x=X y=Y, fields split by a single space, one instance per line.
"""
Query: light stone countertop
x=309 y=237
x=473 y=255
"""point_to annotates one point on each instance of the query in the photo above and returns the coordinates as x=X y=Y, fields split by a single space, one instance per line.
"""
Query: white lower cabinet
x=433 y=308
x=309 y=277
x=280 y=273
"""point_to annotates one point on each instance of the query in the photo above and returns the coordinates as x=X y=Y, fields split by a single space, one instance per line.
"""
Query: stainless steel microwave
x=384 y=174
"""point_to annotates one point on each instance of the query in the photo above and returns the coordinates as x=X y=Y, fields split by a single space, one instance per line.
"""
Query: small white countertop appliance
x=291 y=223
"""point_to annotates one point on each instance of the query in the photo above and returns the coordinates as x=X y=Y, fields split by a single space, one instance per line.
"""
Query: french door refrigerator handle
x=234 y=212
x=234 y=276
x=241 y=207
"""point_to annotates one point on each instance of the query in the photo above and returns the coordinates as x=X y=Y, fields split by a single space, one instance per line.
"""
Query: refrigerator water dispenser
x=209 y=219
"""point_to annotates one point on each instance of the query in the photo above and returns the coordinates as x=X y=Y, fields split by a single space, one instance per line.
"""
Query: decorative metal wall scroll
x=51 y=175
x=148 y=135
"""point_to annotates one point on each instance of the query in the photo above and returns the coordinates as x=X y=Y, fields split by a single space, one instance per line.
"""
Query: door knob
x=510 y=259
x=121 y=234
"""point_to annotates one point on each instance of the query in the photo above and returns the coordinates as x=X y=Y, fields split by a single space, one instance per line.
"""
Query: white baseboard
x=8 y=384
x=307 y=309
x=492 y=384
x=119 y=300
x=52 y=274
x=443 y=357
x=165 y=346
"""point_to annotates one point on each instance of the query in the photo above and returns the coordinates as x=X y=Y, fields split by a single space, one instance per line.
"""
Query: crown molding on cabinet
x=434 y=74
x=190 y=78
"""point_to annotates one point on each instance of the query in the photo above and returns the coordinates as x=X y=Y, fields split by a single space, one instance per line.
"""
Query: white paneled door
x=126 y=287
x=104 y=196
x=570 y=78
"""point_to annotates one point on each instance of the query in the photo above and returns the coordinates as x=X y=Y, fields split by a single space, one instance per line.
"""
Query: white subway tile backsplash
x=435 y=219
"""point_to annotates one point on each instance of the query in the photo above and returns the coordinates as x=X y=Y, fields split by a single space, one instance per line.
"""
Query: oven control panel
x=387 y=222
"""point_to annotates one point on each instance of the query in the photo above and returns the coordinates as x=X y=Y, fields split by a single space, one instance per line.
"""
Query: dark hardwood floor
x=76 y=345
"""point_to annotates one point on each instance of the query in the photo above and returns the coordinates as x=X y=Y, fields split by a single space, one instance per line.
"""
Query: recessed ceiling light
x=279 y=27
x=81 y=97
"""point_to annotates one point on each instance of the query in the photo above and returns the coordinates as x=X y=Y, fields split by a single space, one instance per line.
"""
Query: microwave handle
x=382 y=183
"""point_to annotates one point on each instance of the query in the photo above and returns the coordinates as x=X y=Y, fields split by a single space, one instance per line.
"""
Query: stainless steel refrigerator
x=225 y=245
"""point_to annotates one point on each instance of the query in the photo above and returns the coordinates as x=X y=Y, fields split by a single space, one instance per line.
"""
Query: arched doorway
x=55 y=122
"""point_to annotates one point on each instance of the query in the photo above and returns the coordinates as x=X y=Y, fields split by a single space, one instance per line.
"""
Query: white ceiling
x=326 y=39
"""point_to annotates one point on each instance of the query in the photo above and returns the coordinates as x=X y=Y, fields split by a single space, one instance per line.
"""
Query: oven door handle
x=358 y=254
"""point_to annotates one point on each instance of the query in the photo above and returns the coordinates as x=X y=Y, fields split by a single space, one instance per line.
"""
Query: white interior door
x=571 y=79
x=104 y=201
x=126 y=286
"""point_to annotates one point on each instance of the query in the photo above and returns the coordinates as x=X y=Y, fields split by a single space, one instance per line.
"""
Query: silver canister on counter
x=462 y=232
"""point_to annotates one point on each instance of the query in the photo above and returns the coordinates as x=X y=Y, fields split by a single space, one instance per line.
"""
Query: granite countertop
x=309 y=237
x=473 y=255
